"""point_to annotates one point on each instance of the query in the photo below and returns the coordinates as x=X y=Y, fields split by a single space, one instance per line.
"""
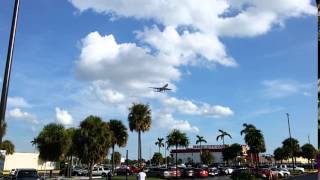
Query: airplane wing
x=167 y=89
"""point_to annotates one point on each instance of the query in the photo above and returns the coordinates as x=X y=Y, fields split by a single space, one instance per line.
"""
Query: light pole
x=292 y=151
x=6 y=78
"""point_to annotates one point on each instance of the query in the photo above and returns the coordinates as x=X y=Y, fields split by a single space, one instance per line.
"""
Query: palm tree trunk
x=176 y=161
x=200 y=151
x=223 y=141
x=159 y=149
x=90 y=170
x=112 y=168
x=139 y=148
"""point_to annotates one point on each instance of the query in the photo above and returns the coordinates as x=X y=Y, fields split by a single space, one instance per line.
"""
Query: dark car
x=213 y=171
x=187 y=172
x=25 y=174
x=123 y=171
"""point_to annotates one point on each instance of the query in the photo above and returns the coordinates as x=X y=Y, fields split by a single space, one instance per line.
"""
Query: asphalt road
x=306 y=177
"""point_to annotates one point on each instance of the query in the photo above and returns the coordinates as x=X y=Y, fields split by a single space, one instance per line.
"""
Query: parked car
x=283 y=173
x=213 y=171
x=123 y=170
x=187 y=172
x=25 y=174
x=166 y=173
x=12 y=172
x=134 y=169
x=290 y=168
x=225 y=170
x=100 y=171
x=267 y=173
x=77 y=171
x=200 y=172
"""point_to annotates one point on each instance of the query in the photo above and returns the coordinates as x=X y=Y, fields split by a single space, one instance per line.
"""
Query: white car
x=282 y=173
x=100 y=171
x=289 y=167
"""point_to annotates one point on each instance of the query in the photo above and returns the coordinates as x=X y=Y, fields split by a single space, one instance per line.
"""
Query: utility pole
x=292 y=151
x=308 y=139
x=6 y=78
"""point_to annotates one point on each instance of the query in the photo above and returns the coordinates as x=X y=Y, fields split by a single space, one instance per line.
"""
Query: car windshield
x=24 y=174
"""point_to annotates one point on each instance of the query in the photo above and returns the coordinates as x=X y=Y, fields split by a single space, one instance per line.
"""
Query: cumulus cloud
x=202 y=109
x=17 y=102
x=221 y=17
x=187 y=33
x=187 y=46
x=122 y=67
x=63 y=117
x=284 y=88
x=18 y=114
x=165 y=120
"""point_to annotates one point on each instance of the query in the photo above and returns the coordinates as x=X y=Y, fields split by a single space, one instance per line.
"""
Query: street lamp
x=6 y=78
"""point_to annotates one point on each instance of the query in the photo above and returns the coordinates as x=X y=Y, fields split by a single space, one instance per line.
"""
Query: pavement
x=313 y=176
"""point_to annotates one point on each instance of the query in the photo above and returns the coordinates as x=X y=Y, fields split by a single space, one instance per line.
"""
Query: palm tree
x=222 y=135
x=119 y=136
x=91 y=141
x=255 y=140
x=140 y=121
x=159 y=143
x=200 y=139
x=8 y=146
x=175 y=139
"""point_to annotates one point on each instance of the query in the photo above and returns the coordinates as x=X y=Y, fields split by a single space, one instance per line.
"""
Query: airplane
x=161 y=89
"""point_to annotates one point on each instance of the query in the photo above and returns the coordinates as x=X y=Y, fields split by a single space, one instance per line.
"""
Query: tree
x=254 y=139
x=294 y=148
x=159 y=143
x=140 y=121
x=280 y=154
x=70 y=152
x=231 y=152
x=200 y=139
x=119 y=136
x=222 y=135
x=8 y=146
x=157 y=158
x=206 y=157
x=92 y=141
x=177 y=139
x=52 y=142
x=116 y=158
x=308 y=152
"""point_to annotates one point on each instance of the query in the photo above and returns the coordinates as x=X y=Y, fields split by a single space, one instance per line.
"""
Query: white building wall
x=26 y=160
x=218 y=158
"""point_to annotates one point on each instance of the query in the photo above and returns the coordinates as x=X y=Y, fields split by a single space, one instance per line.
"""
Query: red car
x=267 y=173
x=198 y=172
x=134 y=169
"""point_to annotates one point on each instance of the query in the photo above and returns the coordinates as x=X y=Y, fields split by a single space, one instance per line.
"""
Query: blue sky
x=229 y=62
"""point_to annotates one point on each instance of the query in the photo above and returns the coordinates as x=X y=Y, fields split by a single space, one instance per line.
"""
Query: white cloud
x=166 y=121
x=18 y=102
x=63 y=117
x=18 y=114
x=203 y=109
x=284 y=88
x=187 y=46
x=122 y=67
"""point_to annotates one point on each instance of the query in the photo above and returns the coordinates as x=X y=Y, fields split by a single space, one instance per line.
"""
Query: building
x=25 y=160
x=193 y=154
